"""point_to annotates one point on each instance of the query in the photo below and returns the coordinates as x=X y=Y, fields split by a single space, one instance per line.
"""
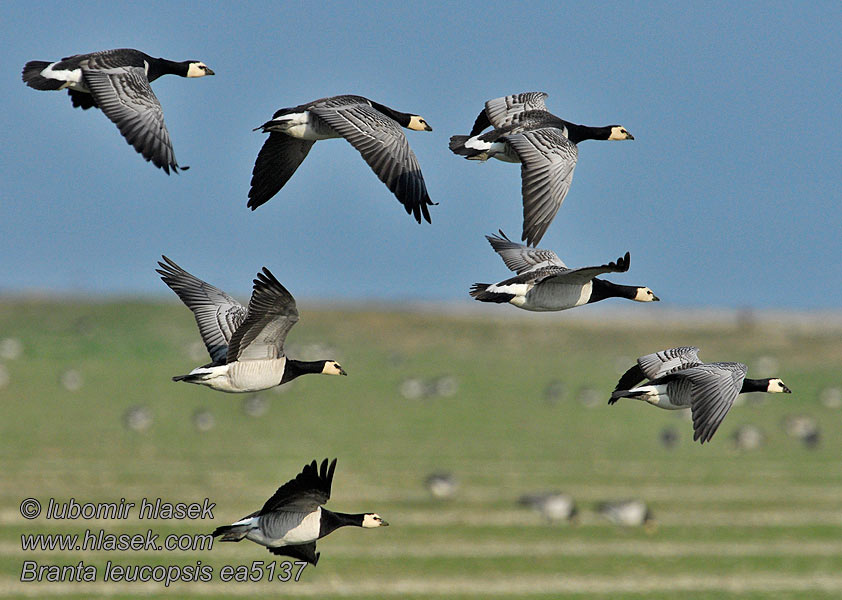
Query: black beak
x=209 y=71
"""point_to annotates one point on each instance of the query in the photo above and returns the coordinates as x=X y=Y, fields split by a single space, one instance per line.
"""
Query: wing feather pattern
x=217 y=314
x=548 y=159
x=715 y=387
x=383 y=145
x=276 y=162
x=520 y=258
x=271 y=314
x=127 y=99
x=502 y=112
x=308 y=491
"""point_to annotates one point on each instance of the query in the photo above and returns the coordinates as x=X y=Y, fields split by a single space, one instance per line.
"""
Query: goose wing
x=715 y=387
x=659 y=364
x=271 y=314
x=520 y=258
x=125 y=96
x=583 y=275
x=305 y=552
x=277 y=160
x=502 y=112
x=308 y=491
x=384 y=147
x=548 y=159
x=217 y=314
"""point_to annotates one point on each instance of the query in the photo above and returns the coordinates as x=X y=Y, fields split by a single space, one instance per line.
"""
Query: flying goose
x=544 y=283
x=545 y=146
x=246 y=345
x=373 y=129
x=117 y=82
x=293 y=518
x=676 y=378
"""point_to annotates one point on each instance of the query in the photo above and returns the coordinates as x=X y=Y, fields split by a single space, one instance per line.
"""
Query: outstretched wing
x=384 y=147
x=715 y=387
x=308 y=491
x=217 y=314
x=277 y=160
x=547 y=159
x=502 y=112
x=658 y=364
x=125 y=96
x=305 y=552
x=583 y=275
x=520 y=258
x=271 y=314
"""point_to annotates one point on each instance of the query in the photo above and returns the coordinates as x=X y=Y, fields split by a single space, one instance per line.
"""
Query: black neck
x=295 y=368
x=605 y=289
x=334 y=520
x=754 y=385
x=577 y=133
x=162 y=66
x=401 y=118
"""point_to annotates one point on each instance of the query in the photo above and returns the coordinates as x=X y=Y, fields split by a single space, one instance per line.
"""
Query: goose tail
x=480 y=291
x=232 y=533
x=32 y=77
x=617 y=394
x=457 y=145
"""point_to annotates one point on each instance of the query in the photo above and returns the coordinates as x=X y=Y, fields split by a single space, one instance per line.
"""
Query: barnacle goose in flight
x=246 y=345
x=676 y=378
x=117 y=82
x=545 y=146
x=293 y=518
x=373 y=129
x=544 y=283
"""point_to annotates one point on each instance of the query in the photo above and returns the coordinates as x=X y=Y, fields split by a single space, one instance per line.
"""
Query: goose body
x=627 y=513
x=525 y=132
x=677 y=379
x=293 y=519
x=372 y=128
x=117 y=82
x=246 y=345
x=544 y=283
x=553 y=506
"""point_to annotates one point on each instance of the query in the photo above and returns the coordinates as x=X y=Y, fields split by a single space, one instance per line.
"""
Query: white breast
x=255 y=375
x=556 y=296
x=304 y=126
x=287 y=528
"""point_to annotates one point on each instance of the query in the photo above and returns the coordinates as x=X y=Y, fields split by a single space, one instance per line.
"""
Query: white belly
x=303 y=126
x=287 y=528
x=554 y=296
x=243 y=376
x=657 y=395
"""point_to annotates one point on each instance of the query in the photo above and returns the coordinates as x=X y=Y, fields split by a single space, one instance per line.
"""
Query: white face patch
x=620 y=133
x=777 y=386
x=418 y=124
x=198 y=69
x=644 y=294
x=332 y=368
x=372 y=520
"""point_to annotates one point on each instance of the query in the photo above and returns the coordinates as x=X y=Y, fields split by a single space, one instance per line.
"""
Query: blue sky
x=728 y=197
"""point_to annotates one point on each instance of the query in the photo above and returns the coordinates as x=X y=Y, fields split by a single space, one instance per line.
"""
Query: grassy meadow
x=730 y=522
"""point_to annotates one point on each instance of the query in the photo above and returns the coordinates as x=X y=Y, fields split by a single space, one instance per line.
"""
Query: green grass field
x=752 y=524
